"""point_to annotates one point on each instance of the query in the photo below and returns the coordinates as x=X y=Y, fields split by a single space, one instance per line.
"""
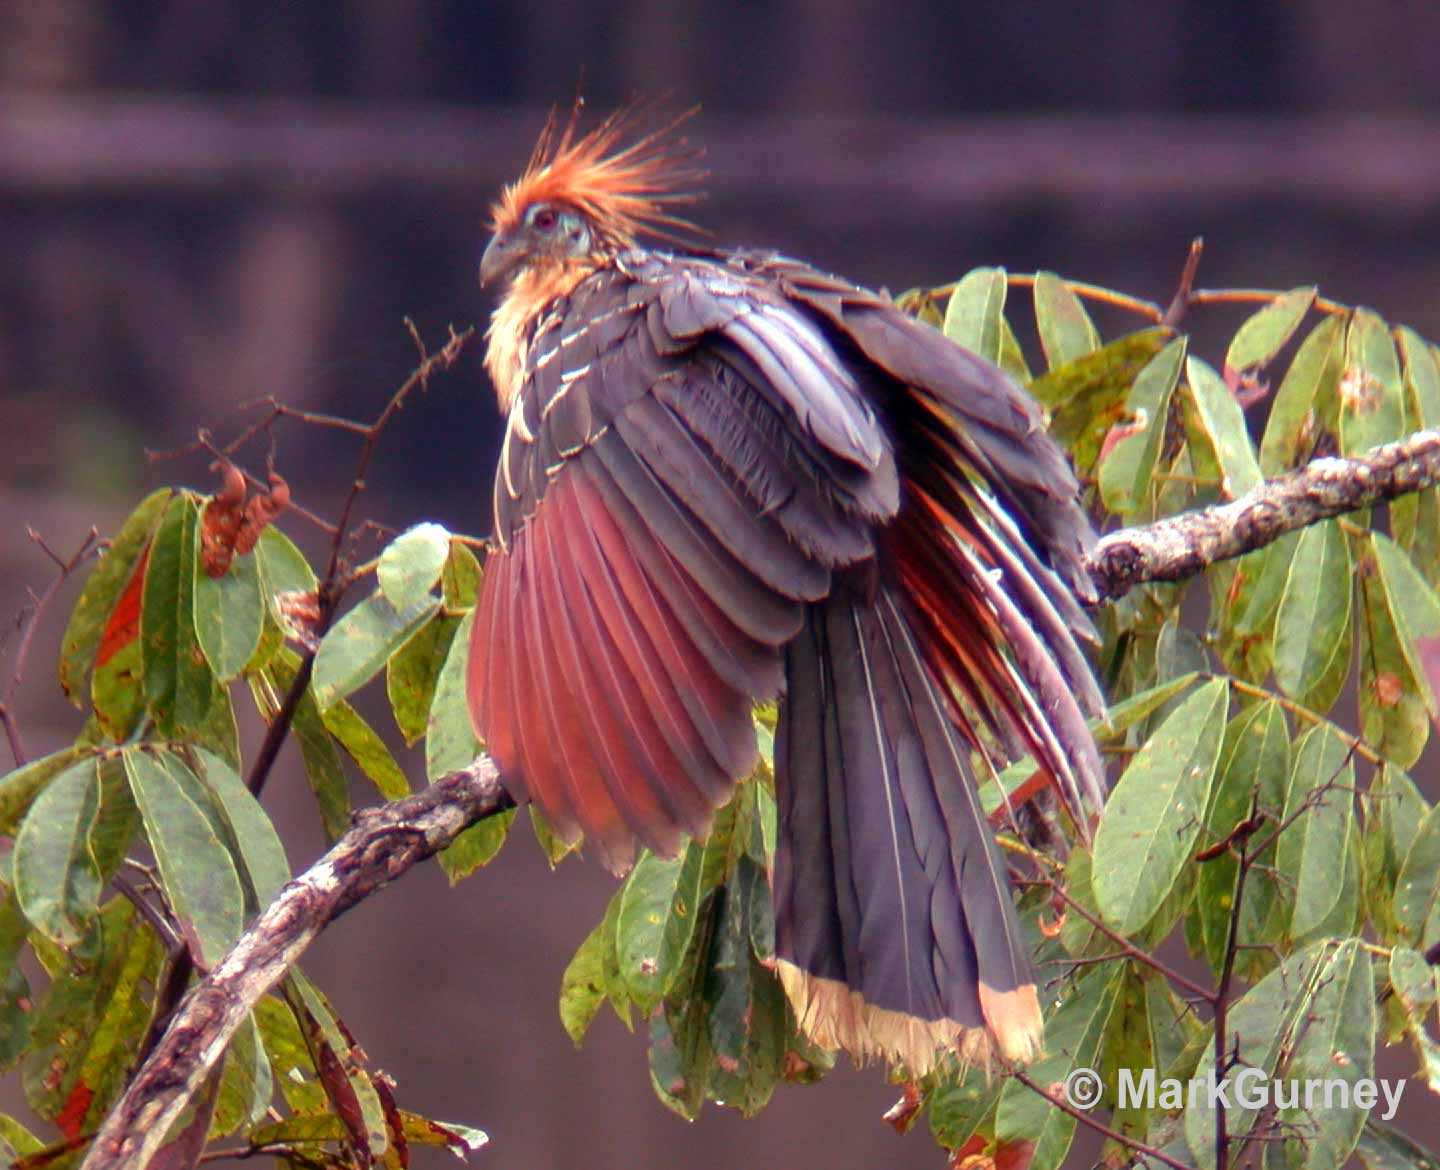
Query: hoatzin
x=725 y=477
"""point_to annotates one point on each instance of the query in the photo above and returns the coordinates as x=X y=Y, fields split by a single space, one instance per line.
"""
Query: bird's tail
x=895 y=932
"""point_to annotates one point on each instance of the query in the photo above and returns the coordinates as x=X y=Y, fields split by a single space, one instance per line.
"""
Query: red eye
x=545 y=219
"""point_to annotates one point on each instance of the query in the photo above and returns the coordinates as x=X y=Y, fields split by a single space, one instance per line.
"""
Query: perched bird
x=725 y=477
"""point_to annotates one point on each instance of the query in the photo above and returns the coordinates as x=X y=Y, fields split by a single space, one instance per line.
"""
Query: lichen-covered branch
x=381 y=845
x=1181 y=546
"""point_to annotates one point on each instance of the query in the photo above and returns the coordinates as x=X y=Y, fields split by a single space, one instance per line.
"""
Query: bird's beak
x=502 y=255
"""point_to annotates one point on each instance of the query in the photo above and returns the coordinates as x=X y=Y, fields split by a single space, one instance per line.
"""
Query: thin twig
x=1099 y=1127
x=27 y=634
x=1130 y=949
x=1184 y=293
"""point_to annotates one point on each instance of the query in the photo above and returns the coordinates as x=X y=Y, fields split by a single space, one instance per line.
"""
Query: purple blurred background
x=206 y=201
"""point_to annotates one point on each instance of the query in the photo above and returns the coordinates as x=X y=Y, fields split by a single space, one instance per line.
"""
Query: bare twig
x=1182 y=546
x=27 y=635
x=381 y=845
x=1058 y=1100
x=1129 y=949
x=1184 y=293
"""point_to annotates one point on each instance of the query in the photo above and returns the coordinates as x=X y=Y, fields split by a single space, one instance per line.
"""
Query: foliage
x=1295 y=857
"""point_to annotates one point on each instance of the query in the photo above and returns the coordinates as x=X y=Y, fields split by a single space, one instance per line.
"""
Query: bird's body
x=729 y=477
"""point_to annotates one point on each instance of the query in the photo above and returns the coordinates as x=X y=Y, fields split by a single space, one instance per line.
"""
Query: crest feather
x=623 y=190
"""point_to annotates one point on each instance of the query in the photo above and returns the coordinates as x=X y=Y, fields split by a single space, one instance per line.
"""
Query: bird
x=725 y=477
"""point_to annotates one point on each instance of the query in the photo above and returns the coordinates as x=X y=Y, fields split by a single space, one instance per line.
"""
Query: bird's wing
x=991 y=540
x=687 y=461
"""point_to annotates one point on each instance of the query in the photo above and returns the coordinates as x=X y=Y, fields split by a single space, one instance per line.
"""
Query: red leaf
x=71 y=1121
x=1014 y=1155
x=971 y=1156
x=124 y=624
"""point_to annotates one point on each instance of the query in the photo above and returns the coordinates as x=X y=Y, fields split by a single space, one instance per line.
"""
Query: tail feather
x=894 y=927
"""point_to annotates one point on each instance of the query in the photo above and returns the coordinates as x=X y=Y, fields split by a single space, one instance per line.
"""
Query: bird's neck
x=513 y=323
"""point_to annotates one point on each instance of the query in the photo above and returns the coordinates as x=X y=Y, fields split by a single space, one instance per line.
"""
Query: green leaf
x=963 y=1106
x=1263 y=335
x=289 y=1055
x=1012 y=357
x=16 y=1001
x=283 y=568
x=972 y=318
x=102 y=589
x=1066 y=331
x=460 y=579
x=1413 y=982
x=1153 y=817
x=1417 y=889
x=86 y=1028
x=450 y=745
x=1311 y=852
x=57 y=878
x=256 y=846
x=1260 y=1029
x=641 y=926
x=1313 y=376
x=229 y=615
x=1383 y=1148
x=1312 y=624
x=410 y=565
x=1372 y=400
x=1127 y=470
x=412 y=672
x=1223 y=422
x=246 y=1085
x=584 y=985
x=1122 y=716
x=367 y=749
x=1415 y=608
x=359 y=644
x=178 y=681
x=18 y=789
x=1073 y=1038
x=1087 y=396
x=196 y=869
x=1335 y=1043
x=555 y=848
x=1422 y=378
x=1393 y=714
x=1255 y=766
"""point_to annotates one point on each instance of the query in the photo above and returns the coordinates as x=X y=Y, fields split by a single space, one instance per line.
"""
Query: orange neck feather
x=508 y=337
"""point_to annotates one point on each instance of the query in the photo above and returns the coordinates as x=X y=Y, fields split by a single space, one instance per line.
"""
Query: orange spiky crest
x=623 y=191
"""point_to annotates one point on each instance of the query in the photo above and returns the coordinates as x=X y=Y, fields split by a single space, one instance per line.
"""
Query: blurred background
x=207 y=201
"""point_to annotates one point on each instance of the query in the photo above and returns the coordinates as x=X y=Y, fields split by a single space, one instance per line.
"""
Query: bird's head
x=584 y=198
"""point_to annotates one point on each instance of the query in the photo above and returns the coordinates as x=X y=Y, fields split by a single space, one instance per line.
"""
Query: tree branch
x=1182 y=546
x=381 y=845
